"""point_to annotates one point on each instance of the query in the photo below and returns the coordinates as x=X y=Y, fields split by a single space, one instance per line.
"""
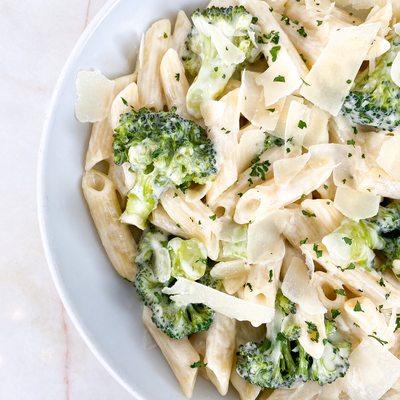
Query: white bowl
x=104 y=307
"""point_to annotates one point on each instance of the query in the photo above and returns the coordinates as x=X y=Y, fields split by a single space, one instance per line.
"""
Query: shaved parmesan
x=287 y=168
x=251 y=144
x=388 y=158
x=297 y=287
x=356 y=205
x=94 y=96
x=317 y=128
x=327 y=83
x=370 y=320
x=264 y=242
x=280 y=79
x=252 y=103
x=395 y=70
x=281 y=125
x=315 y=348
x=297 y=122
x=379 y=47
x=373 y=371
x=185 y=292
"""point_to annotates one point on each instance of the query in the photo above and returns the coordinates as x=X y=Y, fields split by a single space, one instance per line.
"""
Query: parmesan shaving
x=388 y=158
x=287 y=168
x=373 y=371
x=264 y=243
x=252 y=103
x=94 y=96
x=356 y=205
x=280 y=79
x=297 y=287
x=185 y=292
x=354 y=42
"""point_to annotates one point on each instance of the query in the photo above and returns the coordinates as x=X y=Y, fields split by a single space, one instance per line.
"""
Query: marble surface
x=41 y=355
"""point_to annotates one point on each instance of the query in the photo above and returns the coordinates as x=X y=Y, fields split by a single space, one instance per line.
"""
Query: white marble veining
x=41 y=355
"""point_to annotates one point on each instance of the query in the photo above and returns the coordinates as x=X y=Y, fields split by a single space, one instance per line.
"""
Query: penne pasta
x=181 y=30
x=194 y=218
x=162 y=220
x=101 y=197
x=174 y=82
x=125 y=100
x=155 y=44
x=179 y=354
x=220 y=350
x=100 y=143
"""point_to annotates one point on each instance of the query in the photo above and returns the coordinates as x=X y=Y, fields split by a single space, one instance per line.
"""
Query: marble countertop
x=41 y=355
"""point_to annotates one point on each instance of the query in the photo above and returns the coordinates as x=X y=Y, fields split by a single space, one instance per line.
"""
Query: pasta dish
x=245 y=179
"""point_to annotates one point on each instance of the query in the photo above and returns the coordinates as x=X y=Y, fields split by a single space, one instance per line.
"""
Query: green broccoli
x=334 y=362
x=164 y=151
x=174 y=320
x=374 y=99
x=353 y=243
x=281 y=362
x=221 y=41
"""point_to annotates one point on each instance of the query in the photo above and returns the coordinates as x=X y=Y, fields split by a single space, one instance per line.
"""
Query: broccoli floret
x=355 y=242
x=222 y=40
x=374 y=99
x=334 y=362
x=273 y=363
x=174 y=320
x=281 y=362
x=164 y=151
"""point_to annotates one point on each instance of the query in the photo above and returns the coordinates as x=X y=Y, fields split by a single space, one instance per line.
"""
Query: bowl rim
x=41 y=200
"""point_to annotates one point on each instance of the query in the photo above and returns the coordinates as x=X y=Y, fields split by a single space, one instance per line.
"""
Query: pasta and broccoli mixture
x=245 y=178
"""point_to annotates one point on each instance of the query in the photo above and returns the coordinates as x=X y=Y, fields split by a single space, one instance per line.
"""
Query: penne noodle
x=179 y=354
x=195 y=219
x=162 y=220
x=262 y=283
x=327 y=287
x=100 y=143
x=174 y=82
x=222 y=118
x=101 y=197
x=226 y=202
x=125 y=100
x=117 y=175
x=181 y=30
x=155 y=44
x=220 y=351
x=246 y=390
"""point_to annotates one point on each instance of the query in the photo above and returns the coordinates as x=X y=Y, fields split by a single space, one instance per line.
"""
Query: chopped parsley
x=259 y=168
x=308 y=214
x=302 y=32
x=274 y=52
x=304 y=241
x=335 y=313
x=279 y=78
x=198 y=364
x=302 y=124
x=341 y=292
x=317 y=251
x=213 y=217
x=347 y=240
x=382 y=342
x=312 y=331
x=177 y=76
x=357 y=307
